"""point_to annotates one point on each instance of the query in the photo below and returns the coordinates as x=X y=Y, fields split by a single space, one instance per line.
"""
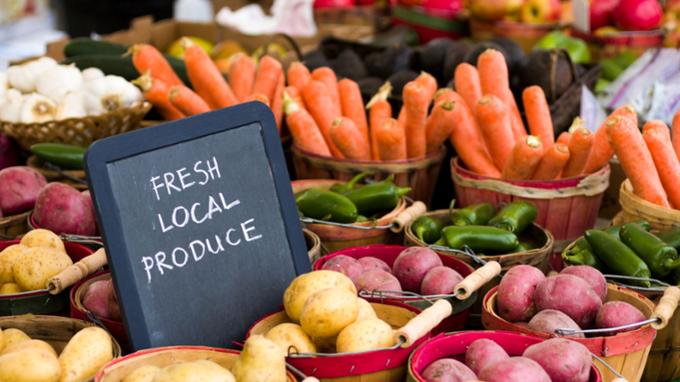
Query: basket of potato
x=52 y=349
x=27 y=265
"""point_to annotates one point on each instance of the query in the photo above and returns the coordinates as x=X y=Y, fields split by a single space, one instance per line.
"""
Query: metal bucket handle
x=660 y=288
x=300 y=374
x=619 y=377
x=397 y=224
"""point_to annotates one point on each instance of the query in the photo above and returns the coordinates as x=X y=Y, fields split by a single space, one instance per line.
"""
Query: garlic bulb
x=3 y=84
x=90 y=74
x=93 y=90
x=11 y=107
x=71 y=106
x=23 y=77
x=37 y=108
x=129 y=92
x=109 y=93
x=58 y=80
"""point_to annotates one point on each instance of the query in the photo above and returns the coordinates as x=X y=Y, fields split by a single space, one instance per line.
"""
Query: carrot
x=602 y=151
x=277 y=102
x=564 y=138
x=320 y=107
x=186 y=101
x=446 y=94
x=635 y=159
x=467 y=138
x=379 y=111
x=352 y=105
x=466 y=81
x=156 y=92
x=428 y=83
x=676 y=134
x=241 y=75
x=390 y=140
x=327 y=76
x=552 y=163
x=439 y=124
x=206 y=78
x=579 y=149
x=493 y=118
x=267 y=77
x=298 y=75
x=416 y=102
x=295 y=95
x=524 y=159
x=658 y=142
x=303 y=129
x=259 y=98
x=347 y=137
x=494 y=80
x=147 y=59
x=538 y=116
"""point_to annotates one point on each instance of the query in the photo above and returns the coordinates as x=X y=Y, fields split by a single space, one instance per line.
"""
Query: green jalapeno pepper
x=616 y=229
x=427 y=228
x=343 y=188
x=441 y=242
x=661 y=258
x=476 y=214
x=515 y=217
x=581 y=253
x=480 y=238
x=326 y=205
x=377 y=197
x=65 y=156
x=617 y=256
x=671 y=237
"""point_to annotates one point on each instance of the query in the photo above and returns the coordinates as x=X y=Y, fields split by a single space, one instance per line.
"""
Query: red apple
x=601 y=13
x=493 y=9
x=540 y=11
x=638 y=15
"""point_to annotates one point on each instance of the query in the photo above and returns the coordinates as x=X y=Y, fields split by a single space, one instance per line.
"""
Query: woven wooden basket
x=635 y=208
x=14 y=226
x=526 y=35
x=75 y=178
x=77 y=131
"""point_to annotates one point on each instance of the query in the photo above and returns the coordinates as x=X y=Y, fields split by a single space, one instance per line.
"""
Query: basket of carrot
x=499 y=161
x=336 y=137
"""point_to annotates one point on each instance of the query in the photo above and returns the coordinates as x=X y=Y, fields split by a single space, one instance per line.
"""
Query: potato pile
x=23 y=359
x=327 y=316
x=573 y=299
x=31 y=263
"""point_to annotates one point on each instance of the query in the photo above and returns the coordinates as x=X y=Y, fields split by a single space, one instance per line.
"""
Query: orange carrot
x=156 y=92
x=327 y=76
x=635 y=159
x=320 y=107
x=303 y=129
x=446 y=94
x=676 y=134
x=206 y=78
x=439 y=124
x=295 y=95
x=553 y=162
x=658 y=142
x=428 y=83
x=538 y=115
x=493 y=118
x=186 y=101
x=259 y=98
x=241 y=75
x=467 y=138
x=347 y=137
x=267 y=77
x=466 y=80
x=298 y=75
x=147 y=59
x=494 y=80
x=352 y=105
x=379 y=111
x=564 y=138
x=277 y=102
x=416 y=102
x=602 y=151
x=390 y=141
x=579 y=149
x=524 y=159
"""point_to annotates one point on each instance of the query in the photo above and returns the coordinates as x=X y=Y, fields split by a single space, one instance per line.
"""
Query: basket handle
x=77 y=272
x=477 y=279
x=310 y=379
x=408 y=215
x=666 y=307
x=423 y=323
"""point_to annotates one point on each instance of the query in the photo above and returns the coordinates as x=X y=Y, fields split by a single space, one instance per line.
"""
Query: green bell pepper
x=480 y=238
x=377 y=197
x=515 y=217
x=476 y=214
x=427 y=229
x=661 y=258
x=326 y=205
x=617 y=256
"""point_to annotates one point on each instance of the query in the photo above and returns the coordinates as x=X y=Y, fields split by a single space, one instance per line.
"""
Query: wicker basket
x=75 y=178
x=615 y=43
x=526 y=35
x=77 y=131
x=14 y=226
x=313 y=245
x=663 y=364
x=635 y=208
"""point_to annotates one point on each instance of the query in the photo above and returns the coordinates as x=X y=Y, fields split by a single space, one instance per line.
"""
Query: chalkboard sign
x=199 y=224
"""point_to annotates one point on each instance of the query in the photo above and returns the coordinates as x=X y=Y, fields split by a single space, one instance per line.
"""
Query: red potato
x=97 y=296
x=483 y=353
x=377 y=280
x=570 y=295
x=515 y=369
x=9 y=153
x=114 y=307
x=515 y=299
x=412 y=265
x=62 y=209
x=564 y=360
x=448 y=370
x=550 y=319
x=370 y=263
x=592 y=276
x=618 y=313
x=440 y=280
x=346 y=265
x=19 y=189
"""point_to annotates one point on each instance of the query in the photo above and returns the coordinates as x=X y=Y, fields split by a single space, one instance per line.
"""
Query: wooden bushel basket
x=635 y=208
x=526 y=35
x=75 y=178
x=14 y=226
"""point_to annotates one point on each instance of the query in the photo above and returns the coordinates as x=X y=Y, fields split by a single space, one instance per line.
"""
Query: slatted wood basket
x=14 y=226
x=75 y=178
x=526 y=35
x=635 y=208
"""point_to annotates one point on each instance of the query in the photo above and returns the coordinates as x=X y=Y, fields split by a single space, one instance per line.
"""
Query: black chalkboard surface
x=199 y=224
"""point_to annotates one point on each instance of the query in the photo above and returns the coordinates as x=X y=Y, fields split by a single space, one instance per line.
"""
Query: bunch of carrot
x=263 y=81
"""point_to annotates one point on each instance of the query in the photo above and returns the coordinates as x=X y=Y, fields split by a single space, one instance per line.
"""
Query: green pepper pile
x=629 y=250
x=479 y=228
x=350 y=202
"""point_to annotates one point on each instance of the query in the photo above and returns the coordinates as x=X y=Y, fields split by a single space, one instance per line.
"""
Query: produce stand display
x=418 y=191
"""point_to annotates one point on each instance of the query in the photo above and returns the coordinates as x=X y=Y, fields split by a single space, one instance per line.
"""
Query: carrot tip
x=577 y=124
x=382 y=94
x=337 y=121
x=144 y=82
x=561 y=147
x=533 y=141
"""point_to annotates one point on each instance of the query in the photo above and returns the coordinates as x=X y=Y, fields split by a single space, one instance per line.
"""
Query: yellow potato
x=27 y=344
x=328 y=311
x=365 y=335
x=9 y=288
x=89 y=350
x=37 y=265
x=10 y=336
x=142 y=374
x=43 y=238
x=196 y=371
x=291 y=338
x=29 y=365
x=260 y=360
x=8 y=257
x=365 y=310
x=305 y=285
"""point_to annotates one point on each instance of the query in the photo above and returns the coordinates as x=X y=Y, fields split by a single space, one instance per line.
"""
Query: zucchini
x=85 y=46
x=121 y=66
